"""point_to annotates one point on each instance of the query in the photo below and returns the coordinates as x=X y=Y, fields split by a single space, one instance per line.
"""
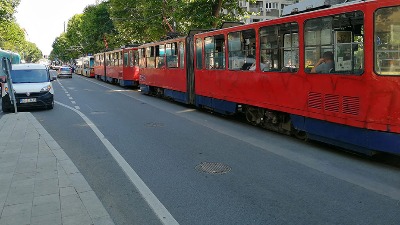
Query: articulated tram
x=331 y=74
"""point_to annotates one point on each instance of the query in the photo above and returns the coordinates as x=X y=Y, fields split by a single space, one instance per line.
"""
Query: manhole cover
x=154 y=124
x=213 y=168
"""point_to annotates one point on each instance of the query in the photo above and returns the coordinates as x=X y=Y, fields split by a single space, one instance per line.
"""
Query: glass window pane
x=199 y=53
x=241 y=50
x=334 y=44
x=387 y=41
x=181 y=55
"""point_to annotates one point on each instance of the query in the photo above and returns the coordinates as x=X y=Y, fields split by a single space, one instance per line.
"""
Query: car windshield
x=65 y=69
x=29 y=76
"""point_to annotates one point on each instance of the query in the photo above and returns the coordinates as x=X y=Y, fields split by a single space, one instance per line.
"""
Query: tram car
x=163 y=69
x=79 y=66
x=14 y=57
x=119 y=66
x=88 y=66
x=331 y=74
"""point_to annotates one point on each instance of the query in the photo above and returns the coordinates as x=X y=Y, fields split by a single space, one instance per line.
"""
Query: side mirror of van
x=53 y=78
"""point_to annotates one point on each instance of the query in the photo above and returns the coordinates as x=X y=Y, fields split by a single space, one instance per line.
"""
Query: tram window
x=130 y=58
x=142 y=58
x=115 y=59
x=172 y=55
x=279 y=48
x=108 y=59
x=199 y=53
x=335 y=44
x=181 y=55
x=120 y=59
x=150 y=59
x=160 y=53
x=135 y=59
x=241 y=49
x=215 y=52
x=387 y=44
x=126 y=58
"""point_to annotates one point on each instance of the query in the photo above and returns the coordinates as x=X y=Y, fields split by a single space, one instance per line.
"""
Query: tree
x=149 y=20
x=7 y=9
x=61 y=49
x=97 y=26
x=31 y=52
x=12 y=36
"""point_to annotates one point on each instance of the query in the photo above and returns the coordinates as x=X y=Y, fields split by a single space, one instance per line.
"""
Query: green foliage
x=123 y=22
x=12 y=38
x=97 y=25
x=149 y=20
x=7 y=9
x=61 y=49
x=86 y=33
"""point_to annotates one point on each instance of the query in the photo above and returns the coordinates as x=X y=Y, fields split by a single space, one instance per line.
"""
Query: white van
x=32 y=87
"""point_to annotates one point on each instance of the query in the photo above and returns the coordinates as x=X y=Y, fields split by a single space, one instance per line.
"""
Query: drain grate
x=213 y=168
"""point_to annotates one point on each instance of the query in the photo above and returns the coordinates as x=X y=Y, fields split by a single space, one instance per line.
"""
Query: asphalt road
x=267 y=178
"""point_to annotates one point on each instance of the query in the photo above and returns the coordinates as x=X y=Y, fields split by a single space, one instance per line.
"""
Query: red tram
x=119 y=66
x=162 y=67
x=270 y=71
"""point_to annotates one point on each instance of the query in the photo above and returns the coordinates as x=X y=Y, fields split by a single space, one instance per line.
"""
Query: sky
x=43 y=20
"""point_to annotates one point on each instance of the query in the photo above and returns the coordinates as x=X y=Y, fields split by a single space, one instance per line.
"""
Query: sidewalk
x=39 y=184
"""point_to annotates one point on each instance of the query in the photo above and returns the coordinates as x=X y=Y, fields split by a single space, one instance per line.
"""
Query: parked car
x=65 y=71
x=32 y=87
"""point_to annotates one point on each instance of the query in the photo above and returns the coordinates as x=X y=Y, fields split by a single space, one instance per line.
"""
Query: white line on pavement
x=159 y=209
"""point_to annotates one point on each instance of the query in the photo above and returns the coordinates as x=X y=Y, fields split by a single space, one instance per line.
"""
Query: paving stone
x=49 y=219
x=39 y=184
x=45 y=205
x=17 y=219
x=18 y=209
x=46 y=187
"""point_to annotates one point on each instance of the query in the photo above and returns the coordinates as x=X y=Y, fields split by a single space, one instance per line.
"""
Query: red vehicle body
x=118 y=66
x=162 y=66
x=266 y=70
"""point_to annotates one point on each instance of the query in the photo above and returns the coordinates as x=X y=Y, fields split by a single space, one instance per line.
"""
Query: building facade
x=264 y=9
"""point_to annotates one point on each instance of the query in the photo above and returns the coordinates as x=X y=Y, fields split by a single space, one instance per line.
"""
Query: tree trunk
x=216 y=10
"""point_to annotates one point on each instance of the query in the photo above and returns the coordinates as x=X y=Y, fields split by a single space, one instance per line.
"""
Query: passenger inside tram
x=324 y=64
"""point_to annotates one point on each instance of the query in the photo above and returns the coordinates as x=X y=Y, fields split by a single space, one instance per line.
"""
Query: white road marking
x=73 y=102
x=159 y=209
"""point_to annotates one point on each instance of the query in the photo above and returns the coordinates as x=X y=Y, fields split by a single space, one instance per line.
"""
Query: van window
x=30 y=76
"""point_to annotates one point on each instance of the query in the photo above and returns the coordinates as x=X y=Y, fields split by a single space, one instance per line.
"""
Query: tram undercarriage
x=271 y=120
